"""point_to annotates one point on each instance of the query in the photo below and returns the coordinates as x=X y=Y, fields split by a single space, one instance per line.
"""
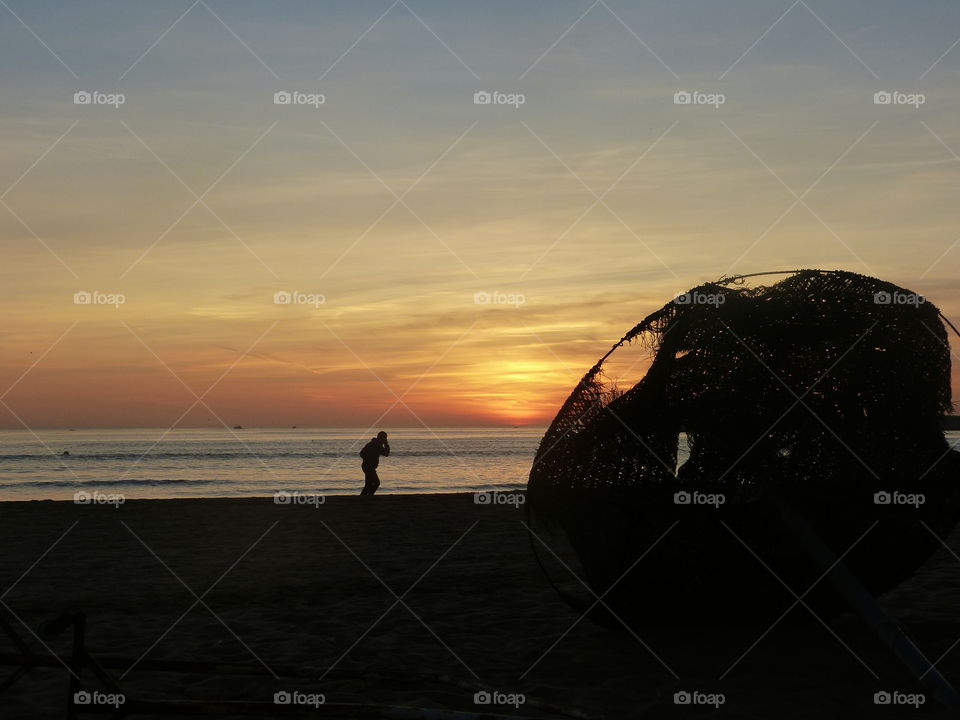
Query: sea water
x=157 y=463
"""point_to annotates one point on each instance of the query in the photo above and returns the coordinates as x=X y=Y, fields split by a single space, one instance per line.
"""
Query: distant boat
x=238 y=427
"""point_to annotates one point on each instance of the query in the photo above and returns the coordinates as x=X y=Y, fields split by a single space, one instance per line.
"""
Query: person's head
x=382 y=436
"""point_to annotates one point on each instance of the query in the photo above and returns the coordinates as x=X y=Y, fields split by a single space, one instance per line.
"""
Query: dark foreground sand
x=484 y=614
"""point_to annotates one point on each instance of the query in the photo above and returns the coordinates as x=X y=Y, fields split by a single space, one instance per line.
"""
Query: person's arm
x=385 y=449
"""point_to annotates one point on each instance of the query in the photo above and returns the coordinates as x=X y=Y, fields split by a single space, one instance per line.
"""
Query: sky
x=449 y=263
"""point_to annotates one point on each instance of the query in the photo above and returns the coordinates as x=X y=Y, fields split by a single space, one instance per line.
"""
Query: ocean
x=147 y=463
x=260 y=462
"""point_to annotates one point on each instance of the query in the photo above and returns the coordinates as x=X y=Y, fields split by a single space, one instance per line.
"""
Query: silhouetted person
x=370 y=456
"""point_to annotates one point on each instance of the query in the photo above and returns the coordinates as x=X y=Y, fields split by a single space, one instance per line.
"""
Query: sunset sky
x=399 y=199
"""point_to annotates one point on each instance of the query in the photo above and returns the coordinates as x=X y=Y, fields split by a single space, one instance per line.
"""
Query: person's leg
x=371 y=481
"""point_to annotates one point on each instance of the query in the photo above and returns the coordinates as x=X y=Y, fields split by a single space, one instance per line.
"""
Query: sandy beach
x=302 y=589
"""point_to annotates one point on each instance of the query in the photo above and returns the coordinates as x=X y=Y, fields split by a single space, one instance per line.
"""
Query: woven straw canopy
x=806 y=396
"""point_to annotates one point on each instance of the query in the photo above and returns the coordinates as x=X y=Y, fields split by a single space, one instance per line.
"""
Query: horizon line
x=271 y=427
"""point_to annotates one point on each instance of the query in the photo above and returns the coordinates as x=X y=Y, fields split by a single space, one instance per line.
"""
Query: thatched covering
x=808 y=396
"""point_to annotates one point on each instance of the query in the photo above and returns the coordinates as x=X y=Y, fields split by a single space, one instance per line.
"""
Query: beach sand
x=299 y=587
